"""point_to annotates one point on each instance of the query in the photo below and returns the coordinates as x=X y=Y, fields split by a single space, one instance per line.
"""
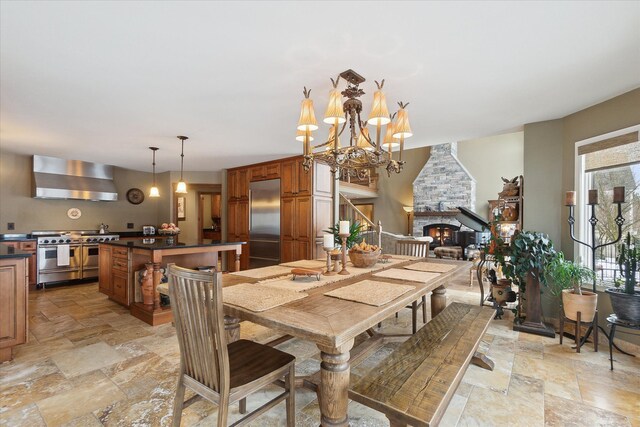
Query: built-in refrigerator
x=264 y=223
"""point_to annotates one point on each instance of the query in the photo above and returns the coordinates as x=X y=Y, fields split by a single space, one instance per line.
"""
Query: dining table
x=334 y=323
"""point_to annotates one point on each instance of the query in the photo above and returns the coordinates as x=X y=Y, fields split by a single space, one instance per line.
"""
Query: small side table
x=613 y=322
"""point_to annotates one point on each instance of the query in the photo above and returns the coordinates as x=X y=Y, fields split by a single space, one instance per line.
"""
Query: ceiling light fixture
x=363 y=153
x=181 y=188
x=154 y=192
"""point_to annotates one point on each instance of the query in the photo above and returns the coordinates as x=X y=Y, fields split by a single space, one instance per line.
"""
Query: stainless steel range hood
x=55 y=178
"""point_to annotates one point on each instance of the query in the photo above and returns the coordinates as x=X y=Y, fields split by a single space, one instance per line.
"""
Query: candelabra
x=344 y=237
x=618 y=199
x=328 y=250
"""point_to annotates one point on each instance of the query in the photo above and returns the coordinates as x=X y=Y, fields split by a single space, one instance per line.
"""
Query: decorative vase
x=625 y=306
x=585 y=304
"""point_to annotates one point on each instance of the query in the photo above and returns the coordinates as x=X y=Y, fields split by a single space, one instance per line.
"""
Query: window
x=602 y=163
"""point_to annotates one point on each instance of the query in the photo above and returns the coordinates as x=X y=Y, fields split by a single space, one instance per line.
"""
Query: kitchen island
x=131 y=270
x=14 y=294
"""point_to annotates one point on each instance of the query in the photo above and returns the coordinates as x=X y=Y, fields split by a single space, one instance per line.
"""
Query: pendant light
x=181 y=188
x=154 y=192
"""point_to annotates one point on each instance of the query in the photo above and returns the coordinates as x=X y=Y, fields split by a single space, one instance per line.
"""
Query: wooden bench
x=413 y=386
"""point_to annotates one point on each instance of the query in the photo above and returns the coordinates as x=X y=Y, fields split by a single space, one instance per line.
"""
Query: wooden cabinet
x=115 y=273
x=31 y=247
x=238 y=184
x=14 y=292
x=295 y=181
x=295 y=228
x=263 y=172
x=302 y=217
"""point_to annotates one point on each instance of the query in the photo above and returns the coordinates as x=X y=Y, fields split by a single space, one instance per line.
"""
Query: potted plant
x=524 y=262
x=355 y=229
x=566 y=280
x=626 y=302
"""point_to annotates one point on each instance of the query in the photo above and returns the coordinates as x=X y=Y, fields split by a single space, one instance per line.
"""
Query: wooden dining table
x=333 y=324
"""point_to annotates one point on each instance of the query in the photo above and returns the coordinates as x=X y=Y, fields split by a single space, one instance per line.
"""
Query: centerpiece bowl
x=364 y=259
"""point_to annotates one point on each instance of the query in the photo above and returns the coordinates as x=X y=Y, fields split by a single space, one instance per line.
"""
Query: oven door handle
x=71 y=246
x=58 y=270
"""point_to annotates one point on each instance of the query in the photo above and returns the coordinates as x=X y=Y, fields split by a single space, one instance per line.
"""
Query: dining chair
x=418 y=249
x=219 y=372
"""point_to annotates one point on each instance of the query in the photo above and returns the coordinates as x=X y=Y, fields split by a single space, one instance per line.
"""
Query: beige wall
x=17 y=205
x=488 y=159
x=543 y=177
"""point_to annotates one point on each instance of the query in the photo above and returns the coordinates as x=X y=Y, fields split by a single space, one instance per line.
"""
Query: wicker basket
x=364 y=259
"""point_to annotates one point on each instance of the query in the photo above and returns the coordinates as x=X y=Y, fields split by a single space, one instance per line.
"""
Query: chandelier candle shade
x=154 y=192
x=363 y=153
x=181 y=188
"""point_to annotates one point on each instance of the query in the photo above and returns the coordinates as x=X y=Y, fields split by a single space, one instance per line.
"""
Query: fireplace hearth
x=442 y=234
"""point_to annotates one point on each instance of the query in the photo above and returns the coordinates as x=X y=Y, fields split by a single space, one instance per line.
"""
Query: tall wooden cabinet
x=305 y=206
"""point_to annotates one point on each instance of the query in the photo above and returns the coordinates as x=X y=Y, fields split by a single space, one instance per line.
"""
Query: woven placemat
x=433 y=267
x=305 y=263
x=264 y=272
x=256 y=297
x=370 y=292
x=301 y=283
x=411 y=275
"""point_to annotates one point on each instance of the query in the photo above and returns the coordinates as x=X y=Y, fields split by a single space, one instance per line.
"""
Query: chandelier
x=363 y=153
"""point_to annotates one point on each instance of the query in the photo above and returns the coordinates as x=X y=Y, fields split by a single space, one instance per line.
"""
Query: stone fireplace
x=442 y=185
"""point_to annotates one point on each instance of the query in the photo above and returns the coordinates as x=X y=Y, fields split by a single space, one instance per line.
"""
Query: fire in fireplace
x=442 y=234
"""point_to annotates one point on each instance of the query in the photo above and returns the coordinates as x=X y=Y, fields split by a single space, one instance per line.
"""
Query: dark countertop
x=157 y=243
x=9 y=252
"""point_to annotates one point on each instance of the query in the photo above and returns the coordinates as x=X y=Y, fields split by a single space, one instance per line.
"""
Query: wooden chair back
x=196 y=302
x=417 y=248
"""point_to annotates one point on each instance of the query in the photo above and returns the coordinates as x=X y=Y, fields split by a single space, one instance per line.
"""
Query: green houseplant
x=564 y=279
x=524 y=262
x=626 y=301
x=355 y=230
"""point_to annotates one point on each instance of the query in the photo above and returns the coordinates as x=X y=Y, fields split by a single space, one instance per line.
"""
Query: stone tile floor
x=89 y=363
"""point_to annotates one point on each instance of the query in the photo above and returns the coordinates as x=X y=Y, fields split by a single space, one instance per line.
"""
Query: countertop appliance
x=68 y=255
x=148 y=230
x=264 y=223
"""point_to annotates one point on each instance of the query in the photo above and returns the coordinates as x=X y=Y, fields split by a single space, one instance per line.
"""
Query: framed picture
x=182 y=202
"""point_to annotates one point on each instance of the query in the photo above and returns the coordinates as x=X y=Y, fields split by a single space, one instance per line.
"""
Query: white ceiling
x=102 y=81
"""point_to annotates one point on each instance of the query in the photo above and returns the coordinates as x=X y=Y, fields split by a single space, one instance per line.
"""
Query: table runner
x=370 y=292
x=404 y=274
x=257 y=297
x=434 y=267
x=301 y=283
x=306 y=263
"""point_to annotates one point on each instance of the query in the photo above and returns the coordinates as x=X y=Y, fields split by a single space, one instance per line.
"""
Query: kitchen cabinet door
x=288 y=183
x=232 y=180
x=120 y=281
x=303 y=179
x=287 y=250
x=287 y=215
x=242 y=220
x=242 y=184
x=257 y=173
x=14 y=311
x=232 y=227
x=104 y=270
x=272 y=171
x=302 y=249
x=302 y=218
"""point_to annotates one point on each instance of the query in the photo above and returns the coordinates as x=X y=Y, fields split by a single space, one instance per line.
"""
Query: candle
x=618 y=194
x=328 y=240
x=344 y=227
x=570 y=198
x=593 y=197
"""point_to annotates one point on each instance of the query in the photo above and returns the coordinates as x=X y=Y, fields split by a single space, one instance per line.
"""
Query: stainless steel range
x=68 y=255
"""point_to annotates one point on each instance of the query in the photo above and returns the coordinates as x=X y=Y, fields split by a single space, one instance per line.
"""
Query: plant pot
x=625 y=306
x=585 y=304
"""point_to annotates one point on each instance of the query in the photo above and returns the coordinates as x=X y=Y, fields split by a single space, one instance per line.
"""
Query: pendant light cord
x=181 y=159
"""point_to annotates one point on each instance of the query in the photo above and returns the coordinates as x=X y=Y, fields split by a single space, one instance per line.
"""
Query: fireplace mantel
x=437 y=213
